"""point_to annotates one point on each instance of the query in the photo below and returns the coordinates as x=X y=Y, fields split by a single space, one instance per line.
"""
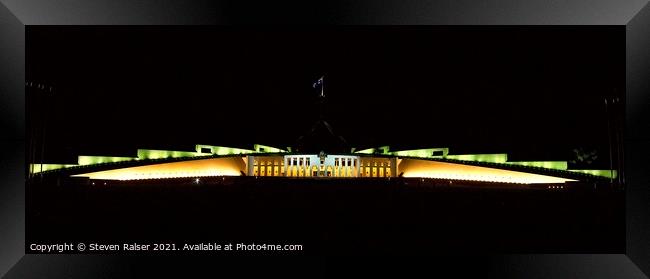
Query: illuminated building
x=322 y=154
x=265 y=161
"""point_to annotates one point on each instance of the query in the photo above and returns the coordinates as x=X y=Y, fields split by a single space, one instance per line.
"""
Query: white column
x=286 y=166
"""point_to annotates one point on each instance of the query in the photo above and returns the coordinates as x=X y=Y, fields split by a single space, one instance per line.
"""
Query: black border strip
x=15 y=13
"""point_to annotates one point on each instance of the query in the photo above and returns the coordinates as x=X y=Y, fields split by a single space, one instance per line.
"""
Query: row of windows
x=268 y=171
x=375 y=172
x=338 y=162
x=269 y=163
x=327 y=172
x=345 y=162
x=305 y=171
x=299 y=161
x=376 y=164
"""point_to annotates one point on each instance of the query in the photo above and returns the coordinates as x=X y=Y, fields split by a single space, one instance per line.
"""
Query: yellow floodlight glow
x=603 y=173
x=443 y=170
x=93 y=160
x=231 y=166
x=366 y=151
x=424 y=153
x=556 y=165
x=490 y=158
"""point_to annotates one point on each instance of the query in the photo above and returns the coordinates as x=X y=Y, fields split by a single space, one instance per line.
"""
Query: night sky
x=533 y=92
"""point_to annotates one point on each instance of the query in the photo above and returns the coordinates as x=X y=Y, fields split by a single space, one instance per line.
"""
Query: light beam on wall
x=443 y=170
x=231 y=166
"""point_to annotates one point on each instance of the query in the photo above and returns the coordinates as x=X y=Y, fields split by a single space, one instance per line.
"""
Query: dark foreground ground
x=330 y=216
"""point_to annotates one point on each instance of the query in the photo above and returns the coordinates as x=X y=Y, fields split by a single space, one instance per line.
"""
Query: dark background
x=535 y=92
x=415 y=12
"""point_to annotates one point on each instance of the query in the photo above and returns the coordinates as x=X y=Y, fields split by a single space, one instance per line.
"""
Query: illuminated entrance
x=305 y=165
x=311 y=165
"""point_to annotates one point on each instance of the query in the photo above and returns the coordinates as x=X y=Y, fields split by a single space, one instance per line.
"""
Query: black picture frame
x=634 y=15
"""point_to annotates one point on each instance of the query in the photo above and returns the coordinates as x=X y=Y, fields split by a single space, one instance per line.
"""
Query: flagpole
x=321 y=98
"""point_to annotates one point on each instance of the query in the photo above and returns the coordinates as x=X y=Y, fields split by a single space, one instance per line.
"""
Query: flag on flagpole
x=319 y=82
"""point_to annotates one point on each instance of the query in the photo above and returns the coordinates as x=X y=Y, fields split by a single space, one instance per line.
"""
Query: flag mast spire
x=321 y=98
x=322 y=86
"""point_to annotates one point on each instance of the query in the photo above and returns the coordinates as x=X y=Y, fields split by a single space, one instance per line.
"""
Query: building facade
x=321 y=165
